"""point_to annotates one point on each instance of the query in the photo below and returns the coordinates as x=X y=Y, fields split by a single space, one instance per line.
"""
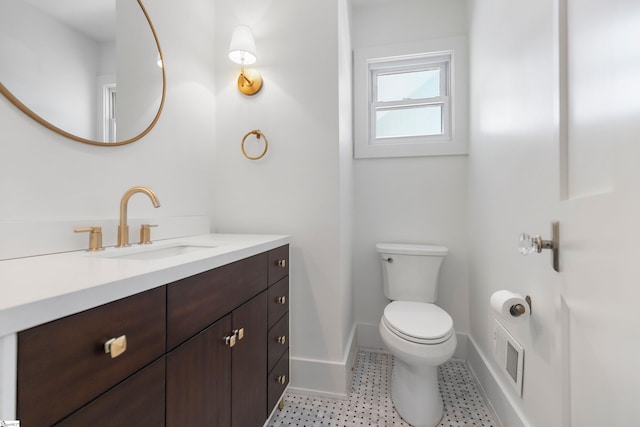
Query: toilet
x=418 y=333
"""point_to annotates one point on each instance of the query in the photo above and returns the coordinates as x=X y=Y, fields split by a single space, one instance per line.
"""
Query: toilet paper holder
x=530 y=244
x=518 y=310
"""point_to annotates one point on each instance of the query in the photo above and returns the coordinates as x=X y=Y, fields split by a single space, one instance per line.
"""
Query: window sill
x=381 y=150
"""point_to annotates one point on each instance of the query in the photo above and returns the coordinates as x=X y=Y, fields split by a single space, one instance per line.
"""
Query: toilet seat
x=418 y=322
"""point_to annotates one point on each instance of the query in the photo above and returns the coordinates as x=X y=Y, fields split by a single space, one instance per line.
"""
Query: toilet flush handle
x=389 y=260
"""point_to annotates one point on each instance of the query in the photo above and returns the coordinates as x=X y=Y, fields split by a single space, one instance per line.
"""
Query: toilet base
x=415 y=394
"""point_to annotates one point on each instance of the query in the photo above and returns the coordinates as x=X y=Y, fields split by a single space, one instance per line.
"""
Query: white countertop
x=39 y=289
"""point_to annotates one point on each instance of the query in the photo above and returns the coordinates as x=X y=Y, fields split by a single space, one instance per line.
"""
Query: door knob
x=530 y=244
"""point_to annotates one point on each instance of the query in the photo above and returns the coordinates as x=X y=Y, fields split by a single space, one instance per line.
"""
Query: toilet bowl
x=418 y=333
x=417 y=355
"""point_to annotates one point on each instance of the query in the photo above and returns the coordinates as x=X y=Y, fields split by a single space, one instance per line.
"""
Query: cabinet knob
x=116 y=346
x=230 y=340
x=281 y=263
x=282 y=379
x=281 y=300
x=282 y=339
x=239 y=333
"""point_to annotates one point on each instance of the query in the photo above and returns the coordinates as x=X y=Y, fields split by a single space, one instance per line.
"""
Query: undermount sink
x=154 y=253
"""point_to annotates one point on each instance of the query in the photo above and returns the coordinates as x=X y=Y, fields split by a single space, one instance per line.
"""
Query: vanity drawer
x=277 y=380
x=278 y=263
x=278 y=296
x=278 y=341
x=117 y=408
x=62 y=365
x=198 y=301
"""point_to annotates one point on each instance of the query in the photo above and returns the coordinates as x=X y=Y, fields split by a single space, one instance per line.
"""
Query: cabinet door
x=278 y=380
x=249 y=385
x=197 y=301
x=278 y=300
x=137 y=401
x=278 y=263
x=199 y=379
x=62 y=364
x=278 y=341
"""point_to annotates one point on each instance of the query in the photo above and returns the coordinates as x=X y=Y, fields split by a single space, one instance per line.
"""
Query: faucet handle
x=95 y=237
x=145 y=233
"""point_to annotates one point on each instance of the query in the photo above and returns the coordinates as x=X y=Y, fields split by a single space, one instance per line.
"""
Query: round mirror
x=89 y=70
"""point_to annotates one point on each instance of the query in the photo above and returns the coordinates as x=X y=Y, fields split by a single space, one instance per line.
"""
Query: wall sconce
x=242 y=50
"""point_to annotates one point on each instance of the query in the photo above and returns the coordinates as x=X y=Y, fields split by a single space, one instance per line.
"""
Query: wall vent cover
x=510 y=356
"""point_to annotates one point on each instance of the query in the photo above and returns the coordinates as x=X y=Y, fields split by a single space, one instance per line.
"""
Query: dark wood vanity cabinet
x=207 y=350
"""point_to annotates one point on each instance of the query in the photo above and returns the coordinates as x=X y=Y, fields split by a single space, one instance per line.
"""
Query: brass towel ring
x=258 y=135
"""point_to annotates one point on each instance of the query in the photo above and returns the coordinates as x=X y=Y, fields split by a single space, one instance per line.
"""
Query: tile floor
x=369 y=403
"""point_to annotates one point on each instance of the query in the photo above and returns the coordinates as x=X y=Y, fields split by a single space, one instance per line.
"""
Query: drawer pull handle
x=282 y=379
x=239 y=333
x=282 y=339
x=116 y=346
x=282 y=263
x=281 y=300
x=230 y=340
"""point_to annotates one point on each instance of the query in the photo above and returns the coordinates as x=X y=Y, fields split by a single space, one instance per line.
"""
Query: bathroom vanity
x=202 y=339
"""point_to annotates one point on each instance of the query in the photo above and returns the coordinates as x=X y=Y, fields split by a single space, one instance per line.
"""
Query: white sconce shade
x=242 y=49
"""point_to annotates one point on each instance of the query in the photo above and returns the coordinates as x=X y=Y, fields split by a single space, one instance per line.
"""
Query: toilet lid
x=418 y=321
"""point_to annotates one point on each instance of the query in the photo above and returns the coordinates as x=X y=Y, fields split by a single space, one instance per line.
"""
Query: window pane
x=412 y=121
x=410 y=85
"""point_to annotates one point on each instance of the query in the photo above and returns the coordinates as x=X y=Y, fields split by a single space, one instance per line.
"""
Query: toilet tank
x=410 y=271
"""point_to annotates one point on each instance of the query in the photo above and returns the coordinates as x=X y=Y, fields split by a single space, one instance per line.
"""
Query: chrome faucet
x=123 y=228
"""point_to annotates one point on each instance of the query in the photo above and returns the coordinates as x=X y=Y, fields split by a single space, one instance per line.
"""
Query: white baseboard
x=494 y=387
x=324 y=377
x=368 y=336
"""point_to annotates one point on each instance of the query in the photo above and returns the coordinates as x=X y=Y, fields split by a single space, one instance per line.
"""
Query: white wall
x=44 y=177
x=420 y=199
x=297 y=188
x=345 y=126
x=581 y=342
x=513 y=186
x=56 y=61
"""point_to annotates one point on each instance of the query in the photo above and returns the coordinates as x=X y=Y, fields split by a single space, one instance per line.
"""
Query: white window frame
x=395 y=66
x=450 y=53
x=105 y=119
x=109 y=127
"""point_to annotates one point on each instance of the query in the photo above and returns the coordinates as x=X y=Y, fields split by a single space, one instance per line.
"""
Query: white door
x=600 y=214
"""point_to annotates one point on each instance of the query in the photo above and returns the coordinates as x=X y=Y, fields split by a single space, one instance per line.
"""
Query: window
x=405 y=102
x=409 y=100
